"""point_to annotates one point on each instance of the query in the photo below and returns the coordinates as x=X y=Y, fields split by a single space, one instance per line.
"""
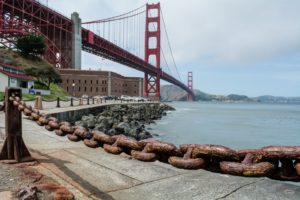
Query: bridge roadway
x=106 y=49
x=95 y=174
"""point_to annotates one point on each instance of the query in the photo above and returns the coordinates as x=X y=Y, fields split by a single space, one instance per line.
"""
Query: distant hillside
x=273 y=99
x=174 y=93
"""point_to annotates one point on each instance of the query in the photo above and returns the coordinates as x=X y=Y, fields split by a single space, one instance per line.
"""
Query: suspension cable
x=169 y=44
x=116 y=17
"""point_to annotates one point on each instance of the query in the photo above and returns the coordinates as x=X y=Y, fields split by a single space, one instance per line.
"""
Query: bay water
x=236 y=125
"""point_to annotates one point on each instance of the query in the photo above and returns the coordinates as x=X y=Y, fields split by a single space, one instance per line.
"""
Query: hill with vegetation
x=14 y=58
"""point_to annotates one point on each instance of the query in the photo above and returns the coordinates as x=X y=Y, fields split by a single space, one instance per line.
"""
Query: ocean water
x=236 y=125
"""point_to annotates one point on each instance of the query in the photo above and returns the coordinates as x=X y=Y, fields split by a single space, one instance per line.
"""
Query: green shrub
x=31 y=45
x=40 y=85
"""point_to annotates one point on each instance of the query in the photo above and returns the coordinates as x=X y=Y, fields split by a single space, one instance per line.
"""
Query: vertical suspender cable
x=170 y=45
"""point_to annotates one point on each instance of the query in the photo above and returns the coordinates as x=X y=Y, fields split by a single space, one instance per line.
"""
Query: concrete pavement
x=95 y=174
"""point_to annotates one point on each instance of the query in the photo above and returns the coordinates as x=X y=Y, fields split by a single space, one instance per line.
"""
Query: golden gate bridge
x=138 y=39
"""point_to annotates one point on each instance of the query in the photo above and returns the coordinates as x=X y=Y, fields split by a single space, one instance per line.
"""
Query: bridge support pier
x=76 y=41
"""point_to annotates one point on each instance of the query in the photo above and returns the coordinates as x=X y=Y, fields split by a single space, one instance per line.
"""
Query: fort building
x=99 y=83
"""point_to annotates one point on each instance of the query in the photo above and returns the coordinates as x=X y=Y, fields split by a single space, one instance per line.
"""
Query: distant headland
x=174 y=93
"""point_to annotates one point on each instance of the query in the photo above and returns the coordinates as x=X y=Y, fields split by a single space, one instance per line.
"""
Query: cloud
x=224 y=31
x=212 y=37
x=233 y=31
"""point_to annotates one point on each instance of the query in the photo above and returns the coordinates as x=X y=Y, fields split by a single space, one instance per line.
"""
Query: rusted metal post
x=14 y=147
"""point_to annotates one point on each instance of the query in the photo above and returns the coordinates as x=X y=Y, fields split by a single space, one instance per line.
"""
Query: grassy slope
x=13 y=58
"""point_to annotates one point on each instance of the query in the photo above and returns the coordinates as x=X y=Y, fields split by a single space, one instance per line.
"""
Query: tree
x=44 y=74
x=31 y=45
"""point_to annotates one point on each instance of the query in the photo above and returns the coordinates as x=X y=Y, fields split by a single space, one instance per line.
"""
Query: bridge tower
x=190 y=85
x=152 y=81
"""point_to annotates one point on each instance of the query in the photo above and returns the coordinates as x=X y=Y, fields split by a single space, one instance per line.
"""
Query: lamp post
x=73 y=86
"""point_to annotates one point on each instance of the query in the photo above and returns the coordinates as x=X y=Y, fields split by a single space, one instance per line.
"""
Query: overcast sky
x=249 y=47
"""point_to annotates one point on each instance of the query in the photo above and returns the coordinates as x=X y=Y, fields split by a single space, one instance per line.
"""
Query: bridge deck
x=95 y=174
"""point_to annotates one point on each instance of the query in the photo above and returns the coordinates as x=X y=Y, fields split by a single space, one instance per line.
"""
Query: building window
x=134 y=92
x=91 y=89
x=85 y=89
x=79 y=89
x=85 y=81
x=96 y=89
x=73 y=81
x=67 y=89
x=67 y=80
x=79 y=81
x=91 y=81
x=134 y=85
x=97 y=82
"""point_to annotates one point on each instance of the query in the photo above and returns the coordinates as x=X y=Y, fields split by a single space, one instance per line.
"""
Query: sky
x=249 y=47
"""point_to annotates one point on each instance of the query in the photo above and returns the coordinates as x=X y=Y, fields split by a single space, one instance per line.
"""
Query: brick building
x=103 y=83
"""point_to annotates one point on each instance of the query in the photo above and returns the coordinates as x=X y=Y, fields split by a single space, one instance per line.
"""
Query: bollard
x=71 y=102
x=14 y=148
x=38 y=103
x=80 y=101
x=93 y=100
x=58 y=103
x=100 y=100
x=88 y=101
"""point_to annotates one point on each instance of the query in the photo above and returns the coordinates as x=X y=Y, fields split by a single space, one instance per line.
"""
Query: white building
x=11 y=76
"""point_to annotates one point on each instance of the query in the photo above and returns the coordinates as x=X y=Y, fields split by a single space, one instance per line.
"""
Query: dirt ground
x=22 y=181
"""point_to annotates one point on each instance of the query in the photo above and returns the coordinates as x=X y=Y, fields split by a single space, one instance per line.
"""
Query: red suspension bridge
x=137 y=39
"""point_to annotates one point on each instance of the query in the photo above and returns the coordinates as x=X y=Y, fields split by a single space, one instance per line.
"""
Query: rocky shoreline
x=129 y=120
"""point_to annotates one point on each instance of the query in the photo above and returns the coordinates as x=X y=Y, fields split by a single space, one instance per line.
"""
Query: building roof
x=11 y=67
x=18 y=76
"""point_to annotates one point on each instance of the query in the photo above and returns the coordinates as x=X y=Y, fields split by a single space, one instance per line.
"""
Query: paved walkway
x=95 y=174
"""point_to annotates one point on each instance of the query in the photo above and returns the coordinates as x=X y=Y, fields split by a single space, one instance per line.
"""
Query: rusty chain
x=277 y=162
